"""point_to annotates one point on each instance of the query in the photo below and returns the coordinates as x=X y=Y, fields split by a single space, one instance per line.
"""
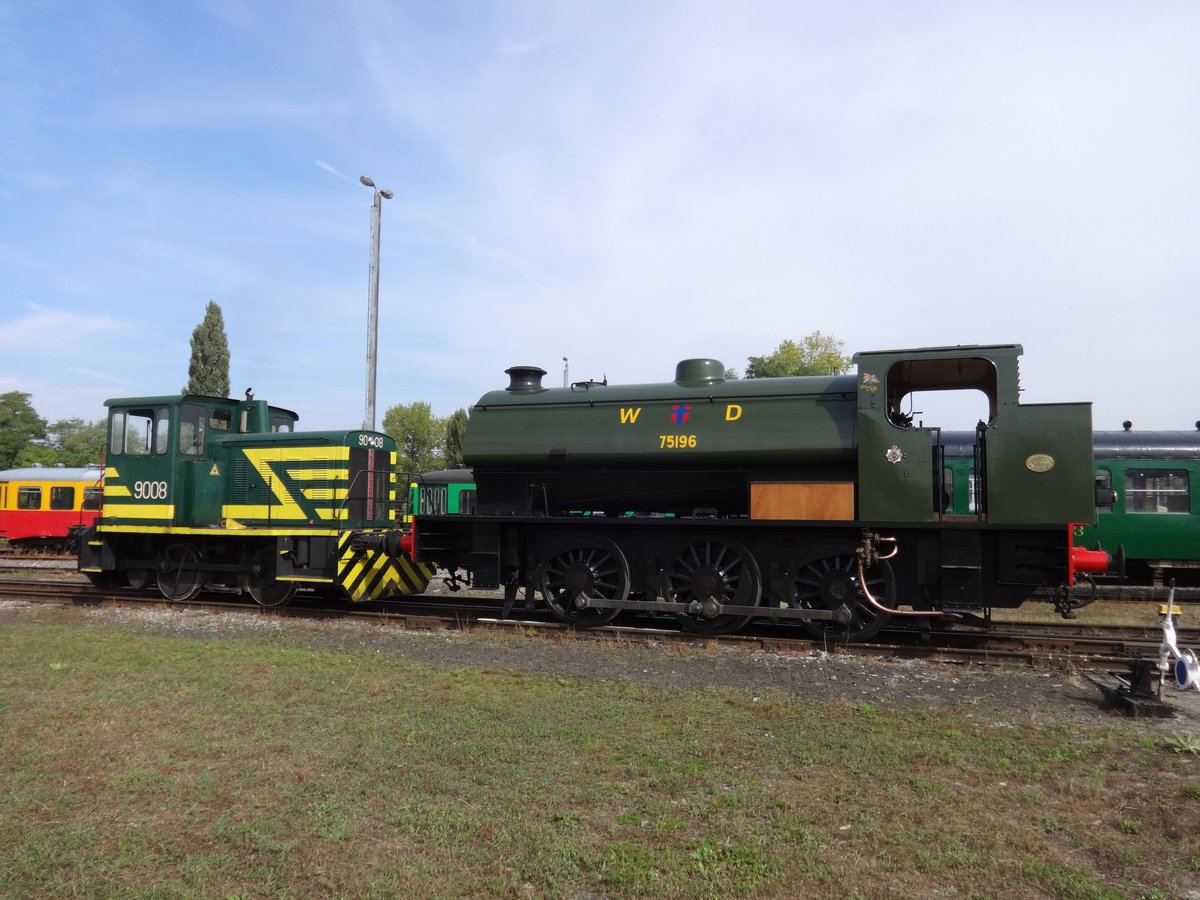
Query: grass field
x=142 y=766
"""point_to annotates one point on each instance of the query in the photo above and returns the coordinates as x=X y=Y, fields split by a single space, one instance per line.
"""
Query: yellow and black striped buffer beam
x=373 y=575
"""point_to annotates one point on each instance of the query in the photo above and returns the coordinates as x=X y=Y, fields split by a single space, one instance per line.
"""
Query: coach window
x=1104 y=491
x=1157 y=491
x=29 y=498
x=91 y=498
x=62 y=498
x=191 y=429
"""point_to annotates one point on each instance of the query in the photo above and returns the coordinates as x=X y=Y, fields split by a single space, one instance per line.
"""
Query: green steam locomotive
x=813 y=499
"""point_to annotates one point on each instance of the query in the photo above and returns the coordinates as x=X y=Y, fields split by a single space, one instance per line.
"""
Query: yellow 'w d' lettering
x=630 y=416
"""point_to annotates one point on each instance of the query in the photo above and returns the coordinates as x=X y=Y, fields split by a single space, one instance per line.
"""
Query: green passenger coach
x=208 y=490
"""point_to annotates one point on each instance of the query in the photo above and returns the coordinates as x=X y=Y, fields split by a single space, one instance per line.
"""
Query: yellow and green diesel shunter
x=214 y=491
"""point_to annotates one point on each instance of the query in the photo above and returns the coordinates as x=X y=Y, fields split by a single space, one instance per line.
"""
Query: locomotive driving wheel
x=261 y=583
x=178 y=572
x=826 y=576
x=709 y=572
x=584 y=566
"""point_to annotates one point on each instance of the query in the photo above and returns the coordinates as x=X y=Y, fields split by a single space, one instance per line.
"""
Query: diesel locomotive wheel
x=826 y=577
x=261 y=583
x=179 y=576
x=705 y=573
x=584 y=566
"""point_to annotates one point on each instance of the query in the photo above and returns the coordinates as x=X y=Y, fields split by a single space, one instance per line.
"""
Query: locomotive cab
x=166 y=450
x=900 y=463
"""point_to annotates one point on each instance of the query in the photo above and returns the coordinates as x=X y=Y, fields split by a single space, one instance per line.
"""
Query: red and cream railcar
x=39 y=505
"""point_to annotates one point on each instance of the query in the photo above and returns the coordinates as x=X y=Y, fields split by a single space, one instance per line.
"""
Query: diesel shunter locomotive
x=814 y=499
x=213 y=491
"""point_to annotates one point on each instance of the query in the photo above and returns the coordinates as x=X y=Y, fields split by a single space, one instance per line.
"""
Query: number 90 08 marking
x=150 y=490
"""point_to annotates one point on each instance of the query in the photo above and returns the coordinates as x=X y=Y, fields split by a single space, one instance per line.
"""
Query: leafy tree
x=35 y=455
x=20 y=425
x=77 y=443
x=419 y=436
x=456 y=433
x=208 y=370
x=815 y=354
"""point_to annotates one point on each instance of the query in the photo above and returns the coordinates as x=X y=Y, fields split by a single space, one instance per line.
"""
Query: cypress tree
x=208 y=370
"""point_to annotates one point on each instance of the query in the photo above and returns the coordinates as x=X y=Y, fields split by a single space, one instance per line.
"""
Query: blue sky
x=626 y=184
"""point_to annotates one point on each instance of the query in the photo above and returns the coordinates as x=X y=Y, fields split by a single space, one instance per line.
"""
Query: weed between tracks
x=158 y=766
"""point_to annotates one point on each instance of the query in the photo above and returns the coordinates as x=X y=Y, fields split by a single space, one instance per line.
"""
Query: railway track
x=1060 y=645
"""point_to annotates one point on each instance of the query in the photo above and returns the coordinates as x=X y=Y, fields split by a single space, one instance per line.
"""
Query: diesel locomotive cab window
x=279 y=423
x=219 y=419
x=191 y=429
x=1157 y=491
x=29 y=498
x=139 y=431
x=62 y=498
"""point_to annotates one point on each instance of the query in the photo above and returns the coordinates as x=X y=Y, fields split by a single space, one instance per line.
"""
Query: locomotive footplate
x=712 y=609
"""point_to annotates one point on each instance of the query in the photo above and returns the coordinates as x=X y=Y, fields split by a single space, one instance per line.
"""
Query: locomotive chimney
x=525 y=378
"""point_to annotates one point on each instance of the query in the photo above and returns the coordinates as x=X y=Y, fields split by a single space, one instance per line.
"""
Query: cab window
x=29 y=498
x=191 y=429
x=138 y=432
x=62 y=498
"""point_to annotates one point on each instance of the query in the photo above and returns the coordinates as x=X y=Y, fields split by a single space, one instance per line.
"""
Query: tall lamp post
x=373 y=300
